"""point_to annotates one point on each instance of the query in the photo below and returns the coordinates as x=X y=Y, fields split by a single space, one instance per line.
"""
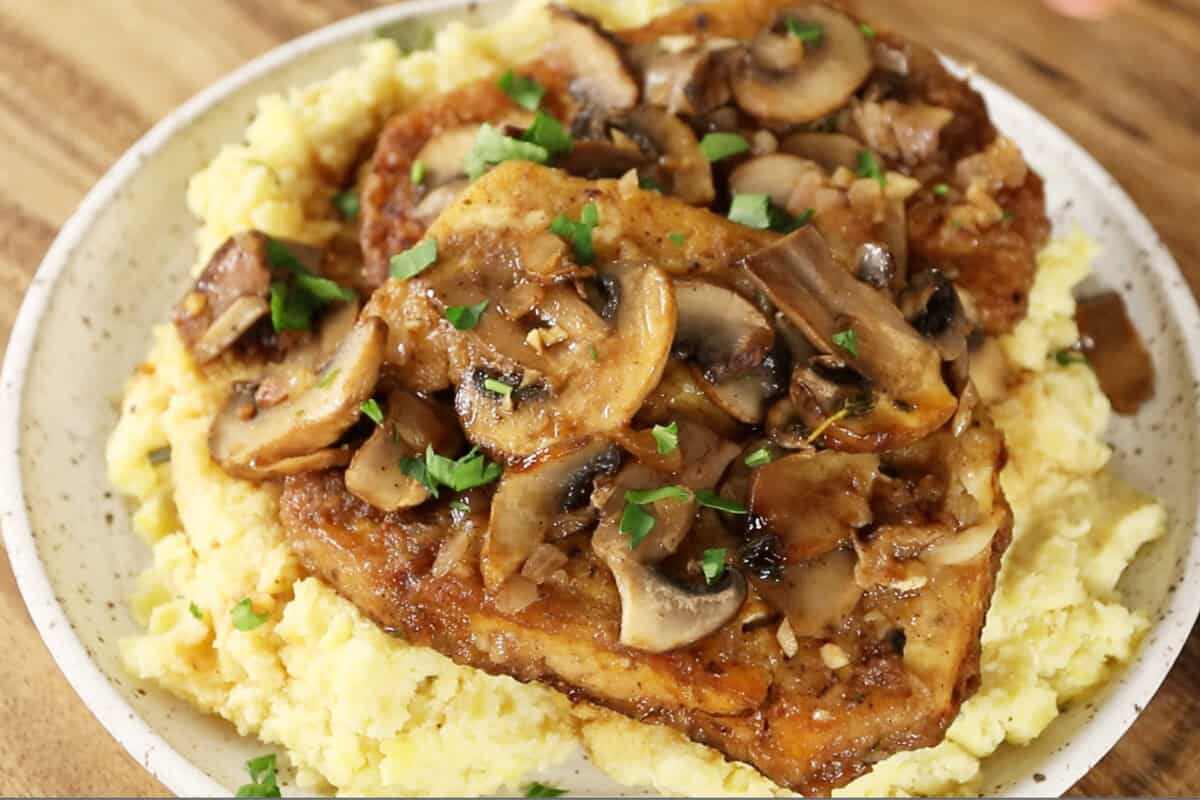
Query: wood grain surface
x=80 y=80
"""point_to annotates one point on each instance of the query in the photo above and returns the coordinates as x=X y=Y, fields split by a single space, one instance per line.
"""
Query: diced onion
x=787 y=639
x=517 y=594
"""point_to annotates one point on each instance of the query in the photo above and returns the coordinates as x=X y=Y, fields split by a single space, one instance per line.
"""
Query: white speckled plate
x=123 y=258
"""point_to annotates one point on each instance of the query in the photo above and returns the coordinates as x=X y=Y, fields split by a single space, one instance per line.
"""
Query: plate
x=123 y=259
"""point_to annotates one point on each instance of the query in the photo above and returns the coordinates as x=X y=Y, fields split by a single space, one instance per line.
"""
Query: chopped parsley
x=291 y=308
x=409 y=35
x=713 y=564
x=263 y=778
x=417 y=172
x=415 y=259
x=847 y=340
x=649 y=184
x=941 y=189
x=677 y=238
x=372 y=410
x=296 y=296
x=434 y=471
x=807 y=32
x=346 y=203
x=869 y=167
x=524 y=91
x=579 y=234
x=414 y=467
x=459 y=505
x=867 y=30
x=666 y=437
x=499 y=387
x=161 y=455
x=719 y=145
x=493 y=147
x=195 y=611
x=244 y=618
x=595 y=353
x=1067 y=357
x=536 y=789
x=641 y=497
x=464 y=318
x=757 y=211
x=758 y=458
x=636 y=523
x=329 y=378
x=710 y=499
x=548 y=133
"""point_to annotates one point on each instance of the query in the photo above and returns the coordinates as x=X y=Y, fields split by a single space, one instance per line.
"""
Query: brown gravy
x=1115 y=351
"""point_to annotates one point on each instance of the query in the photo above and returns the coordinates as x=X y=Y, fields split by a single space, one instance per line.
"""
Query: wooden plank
x=79 y=82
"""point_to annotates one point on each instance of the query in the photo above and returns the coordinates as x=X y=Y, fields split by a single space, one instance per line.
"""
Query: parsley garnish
x=417 y=172
x=415 y=259
x=329 y=378
x=536 y=789
x=1067 y=357
x=525 y=92
x=372 y=410
x=710 y=499
x=195 y=611
x=244 y=618
x=459 y=505
x=409 y=35
x=719 y=145
x=493 y=147
x=467 y=472
x=677 y=238
x=713 y=563
x=464 y=318
x=941 y=189
x=595 y=353
x=263 y=778
x=291 y=308
x=579 y=234
x=294 y=301
x=666 y=437
x=847 y=340
x=758 y=458
x=548 y=133
x=868 y=167
x=415 y=469
x=807 y=32
x=641 y=497
x=346 y=203
x=499 y=387
x=649 y=184
x=757 y=211
x=867 y=30
x=636 y=523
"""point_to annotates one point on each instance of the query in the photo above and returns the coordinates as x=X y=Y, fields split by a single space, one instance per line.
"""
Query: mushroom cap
x=658 y=616
x=694 y=80
x=687 y=173
x=228 y=297
x=594 y=58
x=531 y=501
x=830 y=71
x=828 y=150
x=245 y=440
x=719 y=330
x=775 y=175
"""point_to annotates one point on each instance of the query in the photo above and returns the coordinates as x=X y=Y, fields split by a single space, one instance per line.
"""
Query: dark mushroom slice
x=693 y=80
x=245 y=440
x=910 y=398
x=531 y=502
x=933 y=306
x=829 y=150
x=774 y=175
x=681 y=167
x=816 y=595
x=410 y=425
x=594 y=58
x=804 y=89
x=228 y=298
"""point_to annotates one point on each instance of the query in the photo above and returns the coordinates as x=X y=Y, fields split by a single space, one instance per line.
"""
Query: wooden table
x=80 y=80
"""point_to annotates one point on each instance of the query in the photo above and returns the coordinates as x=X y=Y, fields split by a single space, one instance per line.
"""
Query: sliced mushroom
x=530 y=502
x=932 y=305
x=593 y=58
x=813 y=502
x=246 y=440
x=438 y=200
x=228 y=298
x=719 y=330
x=775 y=175
x=829 y=72
x=599 y=158
x=910 y=399
x=829 y=150
x=815 y=595
x=694 y=80
x=410 y=425
x=682 y=169
x=442 y=157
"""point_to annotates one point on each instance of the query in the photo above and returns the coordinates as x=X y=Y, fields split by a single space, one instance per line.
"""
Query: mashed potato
x=310 y=678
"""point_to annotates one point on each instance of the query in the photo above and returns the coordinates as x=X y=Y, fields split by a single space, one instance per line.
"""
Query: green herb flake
x=536 y=789
x=415 y=468
x=464 y=318
x=244 y=618
x=720 y=145
x=548 y=133
x=677 y=238
x=713 y=564
x=666 y=437
x=263 y=778
x=847 y=340
x=1067 y=357
x=807 y=32
x=524 y=91
x=710 y=499
x=759 y=458
x=328 y=378
x=869 y=167
x=372 y=410
x=294 y=301
x=323 y=289
x=649 y=184
x=465 y=473
x=291 y=309
x=579 y=234
x=868 y=30
x=459 y=505
x=641 y=497
x=346 y=204
x=161 y=455
x=415 y=260
x=416 y=172
x=499 y=387
x=595 y=353
x=783 y=222
x=941 y=189
x=195 y=611
x=751 y=210
x=492 y=147
x=636 y=523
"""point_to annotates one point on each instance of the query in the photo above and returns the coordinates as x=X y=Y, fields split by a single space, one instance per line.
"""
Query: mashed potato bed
x=309 y=678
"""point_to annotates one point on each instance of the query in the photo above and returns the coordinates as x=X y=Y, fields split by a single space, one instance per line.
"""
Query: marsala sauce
x=1115 y=351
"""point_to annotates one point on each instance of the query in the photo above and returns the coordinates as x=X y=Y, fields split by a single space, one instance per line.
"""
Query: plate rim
x=1141 y=681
